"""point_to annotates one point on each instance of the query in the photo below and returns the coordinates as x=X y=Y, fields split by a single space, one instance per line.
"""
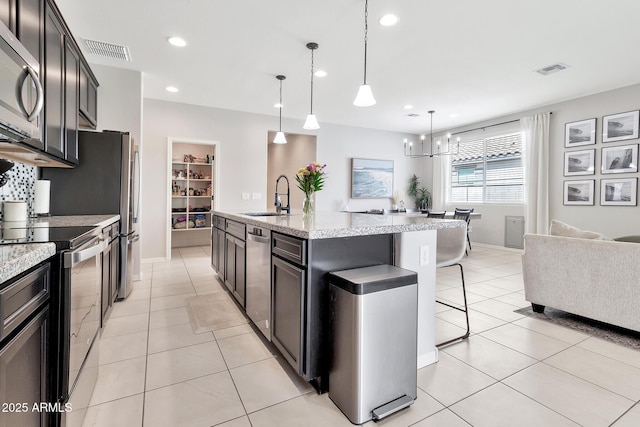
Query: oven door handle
x=75 y=257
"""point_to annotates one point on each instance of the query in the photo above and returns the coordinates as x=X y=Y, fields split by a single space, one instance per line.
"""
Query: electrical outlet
x=424 y=255
x=256 y=196
x=245 y=196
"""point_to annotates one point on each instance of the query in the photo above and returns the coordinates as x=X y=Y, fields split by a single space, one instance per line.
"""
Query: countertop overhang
x=328 y=225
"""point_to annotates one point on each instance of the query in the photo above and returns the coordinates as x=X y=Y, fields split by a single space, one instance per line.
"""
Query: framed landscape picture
x=579 y=192
x=619 y=192
x=621 y=126
x=580 y=162
x=621 y=159
x=580 y=133
x=371 y=179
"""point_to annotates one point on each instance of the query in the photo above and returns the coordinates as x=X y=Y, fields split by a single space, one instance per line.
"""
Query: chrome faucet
x=278 y=202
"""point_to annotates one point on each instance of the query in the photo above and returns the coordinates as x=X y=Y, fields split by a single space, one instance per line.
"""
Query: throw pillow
x=632 y=239
x=559 y=228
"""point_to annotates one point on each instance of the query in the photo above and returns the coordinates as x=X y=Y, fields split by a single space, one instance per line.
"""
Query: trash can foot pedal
x=394 y=406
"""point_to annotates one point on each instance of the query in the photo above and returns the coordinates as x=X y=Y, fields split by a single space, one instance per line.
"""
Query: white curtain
x=536 y=142
x=441 y=178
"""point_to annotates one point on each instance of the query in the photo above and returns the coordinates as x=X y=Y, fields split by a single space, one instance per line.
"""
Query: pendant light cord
x=366 y=37
x=280 y=105
x=312 y=81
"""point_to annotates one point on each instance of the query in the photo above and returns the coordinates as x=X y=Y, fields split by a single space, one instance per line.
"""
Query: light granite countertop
x=63 y=221
x=327 y=225
x=15 y=259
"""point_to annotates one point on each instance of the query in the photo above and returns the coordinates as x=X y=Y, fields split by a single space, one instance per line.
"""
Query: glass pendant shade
x=364 y=98
x=311 y=123
x=280 y=139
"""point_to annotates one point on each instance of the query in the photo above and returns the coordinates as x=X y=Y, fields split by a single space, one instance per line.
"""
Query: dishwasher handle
x=257 y=238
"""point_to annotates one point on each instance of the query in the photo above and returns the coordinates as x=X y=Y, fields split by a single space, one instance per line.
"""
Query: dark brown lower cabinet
x=288 y=285
x=24 y=373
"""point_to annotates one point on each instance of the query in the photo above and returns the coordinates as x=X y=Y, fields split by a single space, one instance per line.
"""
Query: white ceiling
x=467 y=57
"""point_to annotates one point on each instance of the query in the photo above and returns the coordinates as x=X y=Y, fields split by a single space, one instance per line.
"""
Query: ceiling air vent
x=550 y=69
x=412 y=115
x=108 y=50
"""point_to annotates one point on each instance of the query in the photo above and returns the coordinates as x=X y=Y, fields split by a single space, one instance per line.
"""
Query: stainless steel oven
x=82 y=268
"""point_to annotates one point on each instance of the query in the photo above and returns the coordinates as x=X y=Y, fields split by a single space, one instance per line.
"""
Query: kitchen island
x=305 y=249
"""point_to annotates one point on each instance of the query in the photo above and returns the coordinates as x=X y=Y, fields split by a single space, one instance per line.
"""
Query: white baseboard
x=428 y=358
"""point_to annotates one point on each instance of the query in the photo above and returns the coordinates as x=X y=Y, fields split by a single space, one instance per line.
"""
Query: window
x=488 y=169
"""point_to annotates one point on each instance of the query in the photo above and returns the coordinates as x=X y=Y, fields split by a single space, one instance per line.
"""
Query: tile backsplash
x=20 y=186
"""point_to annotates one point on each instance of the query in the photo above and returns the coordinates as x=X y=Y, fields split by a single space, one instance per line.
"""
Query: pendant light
x=365 y=98
x=311 y=123
x=280 y=139
x=440 y=150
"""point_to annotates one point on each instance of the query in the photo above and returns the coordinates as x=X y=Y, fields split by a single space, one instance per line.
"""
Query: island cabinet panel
x=327 y=255
x=288 y=304
x=235 y=260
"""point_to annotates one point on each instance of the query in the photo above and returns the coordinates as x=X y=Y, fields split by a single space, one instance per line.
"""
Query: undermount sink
x=264 y=214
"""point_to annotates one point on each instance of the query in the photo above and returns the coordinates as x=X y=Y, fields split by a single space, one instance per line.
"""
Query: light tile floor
x=512 y=371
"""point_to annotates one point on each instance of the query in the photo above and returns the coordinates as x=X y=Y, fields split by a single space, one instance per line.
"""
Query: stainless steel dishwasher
x=258 y=295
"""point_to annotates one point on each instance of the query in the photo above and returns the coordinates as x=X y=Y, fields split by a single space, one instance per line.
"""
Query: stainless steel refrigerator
x=106 y=181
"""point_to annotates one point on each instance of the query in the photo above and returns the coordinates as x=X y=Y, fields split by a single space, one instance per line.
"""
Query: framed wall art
x=619 y=192
x=621 y=126
x=371 y=179
x=579 y=192
x=580 y=162
x=621 y=159
x=580 y=133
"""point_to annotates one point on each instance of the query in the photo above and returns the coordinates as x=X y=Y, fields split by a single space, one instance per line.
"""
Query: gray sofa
x=597 y=279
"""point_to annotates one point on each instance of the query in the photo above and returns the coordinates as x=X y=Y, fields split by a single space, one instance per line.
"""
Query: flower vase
x=309 y=204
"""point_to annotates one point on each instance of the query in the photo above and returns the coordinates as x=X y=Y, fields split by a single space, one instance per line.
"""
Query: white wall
x=613 y=221
x=242 y=160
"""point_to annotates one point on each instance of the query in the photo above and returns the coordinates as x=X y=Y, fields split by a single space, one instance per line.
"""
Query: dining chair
x=450 y=249
x=433 y=214
x=464 y=215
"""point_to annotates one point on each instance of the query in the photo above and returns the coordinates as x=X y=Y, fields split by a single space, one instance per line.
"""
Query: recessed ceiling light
x=454 y=115
x=320 y=73
x=171 y=89
x=277 y=105
x=388 y=20
x=408 y=107
x=177 y=41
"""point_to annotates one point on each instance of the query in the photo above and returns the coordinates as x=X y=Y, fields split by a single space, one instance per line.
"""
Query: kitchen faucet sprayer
x=278 y=201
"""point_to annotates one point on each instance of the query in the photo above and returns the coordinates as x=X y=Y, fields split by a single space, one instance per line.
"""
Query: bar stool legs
x=465 y=309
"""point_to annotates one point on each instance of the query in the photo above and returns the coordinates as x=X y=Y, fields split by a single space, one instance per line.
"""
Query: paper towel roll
x=42 y=195
x=14 y=211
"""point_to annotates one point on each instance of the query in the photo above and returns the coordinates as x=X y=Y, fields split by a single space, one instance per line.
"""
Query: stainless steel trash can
x=373 y=370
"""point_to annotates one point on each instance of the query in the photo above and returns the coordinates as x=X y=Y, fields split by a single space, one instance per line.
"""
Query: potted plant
x=421 y=195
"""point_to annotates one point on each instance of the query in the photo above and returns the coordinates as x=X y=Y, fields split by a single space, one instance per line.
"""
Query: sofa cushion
x=632 y=239
x=559 y=228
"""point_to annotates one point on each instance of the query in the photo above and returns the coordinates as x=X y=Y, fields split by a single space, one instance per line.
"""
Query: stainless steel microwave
x=21 y=94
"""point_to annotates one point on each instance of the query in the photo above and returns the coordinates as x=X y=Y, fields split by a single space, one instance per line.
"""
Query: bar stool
x=464 y=215
x=450 y=249
x=432 y=214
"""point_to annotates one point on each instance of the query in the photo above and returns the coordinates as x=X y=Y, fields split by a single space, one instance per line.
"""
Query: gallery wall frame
x=619 y=159
x=619 y=192
x=582 y=132
x=581 y=162
x=371 y=178
x=579 y=193
x=620 y=126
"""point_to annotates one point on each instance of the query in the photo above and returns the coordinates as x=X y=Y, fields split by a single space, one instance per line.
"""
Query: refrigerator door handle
x=133 y=239
x=136 y=189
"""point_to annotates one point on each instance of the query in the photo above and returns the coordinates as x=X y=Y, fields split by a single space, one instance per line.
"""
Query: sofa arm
x=592 y=278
